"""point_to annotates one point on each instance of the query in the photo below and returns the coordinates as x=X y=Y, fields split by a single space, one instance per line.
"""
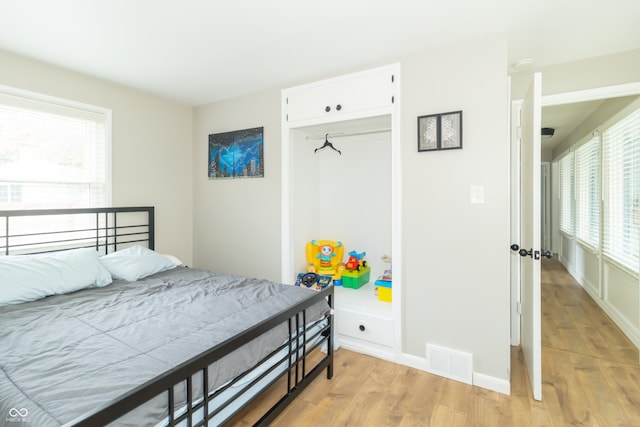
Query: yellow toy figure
x=325 y=258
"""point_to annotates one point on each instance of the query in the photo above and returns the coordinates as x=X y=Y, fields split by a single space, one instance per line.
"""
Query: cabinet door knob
x=362 y=328
x=338 y=107
x=327 y=108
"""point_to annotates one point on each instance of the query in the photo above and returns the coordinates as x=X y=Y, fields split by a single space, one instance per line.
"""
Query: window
x=53 y=153
x=567 y=194
x=587 y=176
x=10 y=193
x=621 y=169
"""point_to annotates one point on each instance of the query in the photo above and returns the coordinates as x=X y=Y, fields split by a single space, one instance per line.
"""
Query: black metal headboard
x=50 y=230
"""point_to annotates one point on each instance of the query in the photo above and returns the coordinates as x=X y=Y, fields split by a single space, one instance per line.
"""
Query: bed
x=180 y=346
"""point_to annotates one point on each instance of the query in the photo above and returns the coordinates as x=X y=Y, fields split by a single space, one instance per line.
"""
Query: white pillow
x=173 y=259
x=30 y=277
x=135 y=263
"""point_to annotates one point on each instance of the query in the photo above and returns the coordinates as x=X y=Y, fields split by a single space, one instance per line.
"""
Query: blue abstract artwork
x=237 y=154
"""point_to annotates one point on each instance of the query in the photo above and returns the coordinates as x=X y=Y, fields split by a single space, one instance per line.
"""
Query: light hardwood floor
x=591 y=377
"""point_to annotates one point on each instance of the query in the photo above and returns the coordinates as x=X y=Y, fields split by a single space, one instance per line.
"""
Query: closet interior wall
x=344 y=197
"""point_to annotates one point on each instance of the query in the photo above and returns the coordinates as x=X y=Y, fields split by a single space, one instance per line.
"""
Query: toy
x=313 y=281
x=324 y=257
x=355 y=261
x=384 y=284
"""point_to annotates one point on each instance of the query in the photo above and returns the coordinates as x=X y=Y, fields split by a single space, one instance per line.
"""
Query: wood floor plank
x=445 y=416
x=624 y=382
x=424 y=397
x=484 y=408
x=606 y=408
x=514 y=410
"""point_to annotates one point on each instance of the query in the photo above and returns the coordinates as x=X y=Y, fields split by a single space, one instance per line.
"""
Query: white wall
x=456 y=287
x=237 y=221
x=456 y=253
x=151 y=144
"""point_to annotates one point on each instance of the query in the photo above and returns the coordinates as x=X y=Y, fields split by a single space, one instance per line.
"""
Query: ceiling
x=201 y=51
x=564 y=119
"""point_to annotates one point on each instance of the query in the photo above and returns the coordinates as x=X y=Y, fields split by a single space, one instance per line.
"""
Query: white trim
x=480 y=380
x=396 y=210
x=492 y=383
x=516 y=107
x=352 y=344
x=591 y=94
x=412 y=361
x=53 y=99
x=108 y=134
x=631 y=331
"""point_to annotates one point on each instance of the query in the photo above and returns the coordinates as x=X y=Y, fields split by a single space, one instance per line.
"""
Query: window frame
x=588 y=159
x=569 y=202
x=620 y=260
x=30 y=96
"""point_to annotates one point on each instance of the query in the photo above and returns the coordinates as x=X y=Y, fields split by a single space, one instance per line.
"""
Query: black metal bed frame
x=106 y=234
x=294 y=365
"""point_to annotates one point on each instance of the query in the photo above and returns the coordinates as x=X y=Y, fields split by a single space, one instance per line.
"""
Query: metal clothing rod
x=344 y=134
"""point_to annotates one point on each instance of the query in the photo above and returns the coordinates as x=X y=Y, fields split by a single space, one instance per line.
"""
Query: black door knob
x=362 y=328
x=547 y=254
x=524 y=252
x=515 y=247
x=327 y=108
x=338 y=107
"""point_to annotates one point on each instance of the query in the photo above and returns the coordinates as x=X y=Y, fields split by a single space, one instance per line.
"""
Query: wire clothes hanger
x=327 y=144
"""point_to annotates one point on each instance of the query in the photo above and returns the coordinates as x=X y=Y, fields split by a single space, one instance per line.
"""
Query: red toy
x=355 y=261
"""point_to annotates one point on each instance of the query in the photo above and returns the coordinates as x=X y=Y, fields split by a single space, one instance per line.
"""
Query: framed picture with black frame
x=440 y=131
x=428 y=132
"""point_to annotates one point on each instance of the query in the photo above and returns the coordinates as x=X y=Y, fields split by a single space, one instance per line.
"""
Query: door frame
x=593 y=94
x=545 y=205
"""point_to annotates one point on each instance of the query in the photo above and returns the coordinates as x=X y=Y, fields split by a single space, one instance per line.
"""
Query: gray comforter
x=65 y=355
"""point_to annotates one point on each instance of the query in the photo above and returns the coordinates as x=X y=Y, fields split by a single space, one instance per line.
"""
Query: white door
x=530 y=234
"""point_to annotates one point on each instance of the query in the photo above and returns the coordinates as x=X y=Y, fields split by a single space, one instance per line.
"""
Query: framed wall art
x=451 y=130
x=236 y=154
x=440 y=131
x=428 y=132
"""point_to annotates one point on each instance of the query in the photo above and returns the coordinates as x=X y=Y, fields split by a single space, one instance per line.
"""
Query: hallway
x=590 y=369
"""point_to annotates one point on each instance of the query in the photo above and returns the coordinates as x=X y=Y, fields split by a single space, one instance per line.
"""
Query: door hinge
x=287 y=118
x=287 y=102
x=519 y=308
x=392 y=78
x=393 y=98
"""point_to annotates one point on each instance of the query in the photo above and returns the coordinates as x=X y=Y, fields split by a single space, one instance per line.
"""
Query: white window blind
x=53 y=153
x=621 y=169
x=567 y=194
x=587 y=176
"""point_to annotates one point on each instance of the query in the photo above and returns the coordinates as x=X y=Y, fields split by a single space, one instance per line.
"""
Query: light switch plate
x=477 y=194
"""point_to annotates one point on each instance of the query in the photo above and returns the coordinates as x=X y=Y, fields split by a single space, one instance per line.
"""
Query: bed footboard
x=219 y=407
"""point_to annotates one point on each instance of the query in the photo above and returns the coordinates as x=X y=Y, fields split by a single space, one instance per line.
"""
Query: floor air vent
x=448 y=363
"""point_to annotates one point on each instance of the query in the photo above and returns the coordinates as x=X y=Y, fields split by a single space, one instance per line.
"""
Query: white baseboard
x=480 y=380
x=630 y=330
x=384 y=353
x=413 y=361
x=420 y=363
x=492 y=383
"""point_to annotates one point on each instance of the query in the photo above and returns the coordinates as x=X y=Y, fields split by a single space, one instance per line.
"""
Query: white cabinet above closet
x=357 y=95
